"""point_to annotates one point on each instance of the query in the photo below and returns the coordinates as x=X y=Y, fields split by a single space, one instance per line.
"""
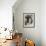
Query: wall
x=28 y=6
x=43 y=22
x=6 y=13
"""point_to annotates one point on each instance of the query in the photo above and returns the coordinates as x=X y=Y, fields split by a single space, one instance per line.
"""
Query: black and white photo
x=29 y=19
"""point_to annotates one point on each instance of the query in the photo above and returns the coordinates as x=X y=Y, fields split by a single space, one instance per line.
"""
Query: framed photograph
x=29 y=20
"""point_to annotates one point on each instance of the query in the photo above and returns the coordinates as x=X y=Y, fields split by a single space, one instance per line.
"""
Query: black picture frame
x=28 y=20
